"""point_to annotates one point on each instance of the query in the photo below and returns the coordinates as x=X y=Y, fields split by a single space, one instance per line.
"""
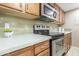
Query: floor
x=74 y=51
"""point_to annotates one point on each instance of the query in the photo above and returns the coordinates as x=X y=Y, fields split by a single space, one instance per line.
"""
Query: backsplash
x=19 y=25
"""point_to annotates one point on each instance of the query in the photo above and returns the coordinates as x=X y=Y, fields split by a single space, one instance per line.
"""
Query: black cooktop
x=56 y=35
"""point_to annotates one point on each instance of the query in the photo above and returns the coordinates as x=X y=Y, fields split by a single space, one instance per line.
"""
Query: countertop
x=66 y=32
x=20 y=41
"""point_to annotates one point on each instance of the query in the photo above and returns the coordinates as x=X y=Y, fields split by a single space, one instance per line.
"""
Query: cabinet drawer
x=22 y=52
x=41 y=46
x=44 y=53
x=69 y=35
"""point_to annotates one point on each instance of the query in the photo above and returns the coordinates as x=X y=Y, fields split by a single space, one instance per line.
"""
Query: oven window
x=48 y=11
x=59 y=46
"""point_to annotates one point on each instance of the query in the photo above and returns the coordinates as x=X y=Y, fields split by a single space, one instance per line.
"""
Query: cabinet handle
x=20 y=5
x=27 y=6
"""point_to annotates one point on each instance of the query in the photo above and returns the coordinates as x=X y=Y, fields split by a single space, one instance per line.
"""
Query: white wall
x=72 y=22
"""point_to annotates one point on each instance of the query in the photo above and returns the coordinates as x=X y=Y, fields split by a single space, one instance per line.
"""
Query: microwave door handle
x=54 y=14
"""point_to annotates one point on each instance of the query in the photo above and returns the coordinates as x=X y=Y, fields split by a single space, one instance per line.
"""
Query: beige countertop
x=66 y=32
x=20 y=41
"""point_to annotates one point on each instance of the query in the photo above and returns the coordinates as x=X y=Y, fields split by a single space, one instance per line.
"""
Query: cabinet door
x=44 y=53
x=22 y=52
x=67 y=42
x=15 y=6
x=62 y=14
x=32 y=8
x=41 y=47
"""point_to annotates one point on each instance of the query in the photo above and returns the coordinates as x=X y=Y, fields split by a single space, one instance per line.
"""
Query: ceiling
x=68 y=6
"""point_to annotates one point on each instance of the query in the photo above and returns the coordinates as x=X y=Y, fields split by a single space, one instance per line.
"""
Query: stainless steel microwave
x=48 y=11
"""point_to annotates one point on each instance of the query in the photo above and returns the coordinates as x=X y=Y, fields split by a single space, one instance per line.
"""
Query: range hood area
x=44 y=18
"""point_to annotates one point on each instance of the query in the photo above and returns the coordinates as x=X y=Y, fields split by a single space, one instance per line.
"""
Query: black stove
x=45 y=31
x=56 y=36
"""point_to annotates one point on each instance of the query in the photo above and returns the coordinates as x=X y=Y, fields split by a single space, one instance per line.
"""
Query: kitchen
x=38 y=29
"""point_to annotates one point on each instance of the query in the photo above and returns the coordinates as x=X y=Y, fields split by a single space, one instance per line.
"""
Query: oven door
x=58 y=47
x=48 y=11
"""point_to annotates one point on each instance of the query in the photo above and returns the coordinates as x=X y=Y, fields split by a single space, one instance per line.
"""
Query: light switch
x=7 y=25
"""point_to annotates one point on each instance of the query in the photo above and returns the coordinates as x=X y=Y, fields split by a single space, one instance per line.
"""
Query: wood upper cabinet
x=60 y=14
x=61 y=19
x=67 y=42
x=32 y=8
x=15 y=6
x=28 y=51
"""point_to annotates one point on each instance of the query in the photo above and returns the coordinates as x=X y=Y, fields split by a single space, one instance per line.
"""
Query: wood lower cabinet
x=22 y=52
x=40 y=49
x=44 y=53
x=67 y=42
